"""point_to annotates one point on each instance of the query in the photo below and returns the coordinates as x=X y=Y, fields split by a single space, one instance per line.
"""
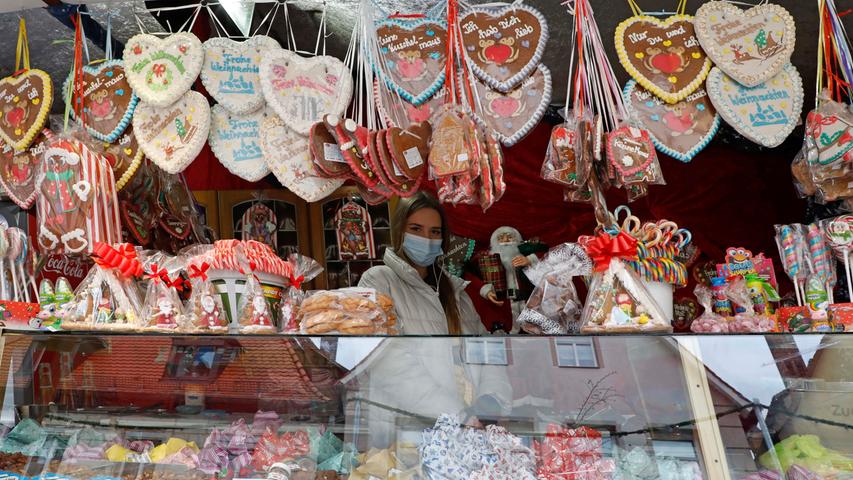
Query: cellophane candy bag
x=163 y=310
x=304 y=269
x=747 y=320
x=709 y=321
x=204 y=307
x=254 y=311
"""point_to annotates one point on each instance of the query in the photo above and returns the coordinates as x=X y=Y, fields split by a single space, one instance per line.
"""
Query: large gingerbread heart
x=503 y=45
x=403 y=113
x=18 y=169
x=125 y=156
x=766 y=113
x=236 y=142
x=230 y=73
x=664 y=56
x=513 y=114
x=830 y=129
x=681 y=130
x=172 y=137
x=161 y=70
x=302 y=90
x=108 y=100
x=409 y=148
x=289 y=158
x=412 y=57
x=750 y=46
x=25 y=102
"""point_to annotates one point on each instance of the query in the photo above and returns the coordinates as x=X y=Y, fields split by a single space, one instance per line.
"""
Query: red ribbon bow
x=199 y=271
x=178 y=284
x=159 y=274
x=604 y=247
x=159 y=69
x=296 y=282
x=122 y=258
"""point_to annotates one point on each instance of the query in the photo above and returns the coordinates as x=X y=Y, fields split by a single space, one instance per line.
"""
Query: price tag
x=413 y=157
x=332 y=153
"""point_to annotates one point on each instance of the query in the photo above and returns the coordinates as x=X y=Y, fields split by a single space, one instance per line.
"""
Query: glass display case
x=610 y=407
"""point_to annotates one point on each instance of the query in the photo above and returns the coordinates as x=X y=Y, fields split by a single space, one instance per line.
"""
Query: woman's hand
x=520 y=261
x=492 y=296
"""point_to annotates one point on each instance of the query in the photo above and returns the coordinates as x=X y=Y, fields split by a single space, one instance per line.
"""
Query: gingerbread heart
x=351 y=137
x=326 y=152
x=302 y=90
x=412 y=55
x=289 y=158
x=18 y=169
x=503 y=45
x=108 y=100
x=397 y=113
x=396 y=181
x=125 y=156
x=513 y=114
x=766 y=113
x=161 y=70
x=230 y=73
x=236 y=141
x=750 y=46
x=830 y=129
x=136 y=221
x=409 y=148
x=681 y=130
x=632 y=154
x=25 y=102
x=449 y=152
x=172 y=137
x=664 y=56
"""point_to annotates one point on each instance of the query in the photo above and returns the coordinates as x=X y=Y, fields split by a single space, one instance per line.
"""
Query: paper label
x=462 y=157
x=413 y=157
x=397 y=170
x=332 y=153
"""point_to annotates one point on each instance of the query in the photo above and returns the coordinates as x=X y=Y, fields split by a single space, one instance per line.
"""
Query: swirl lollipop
x=821 y=258
x=840 y=237
x=792 y=257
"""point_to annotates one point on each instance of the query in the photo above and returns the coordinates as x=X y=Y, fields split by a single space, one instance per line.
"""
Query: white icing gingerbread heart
x=161 y=70
x=766 y=113
x=303 y=90
x=173 y=136
x=289 y=157
x=750 y=46
x=230 y=72
x=236 y=142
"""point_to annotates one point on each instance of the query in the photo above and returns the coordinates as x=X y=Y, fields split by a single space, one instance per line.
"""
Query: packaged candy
x=304 y=269
x=349 y=311
x=554 y=308
x=709 y=321
x=273 y=448
x=254 y=311
x=77 y=204
x=746 y=320
x=204 y=307
x=108 y=298
x=560 y=165
x=163 y=310
x=570 y=454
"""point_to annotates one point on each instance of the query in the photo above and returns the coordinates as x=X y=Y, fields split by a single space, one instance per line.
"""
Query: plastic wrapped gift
x=451 y=450
x=303 y=269
x=163 y=310
x=204 y=307
x=571 y=454
x=350 y=311
x=273 y=448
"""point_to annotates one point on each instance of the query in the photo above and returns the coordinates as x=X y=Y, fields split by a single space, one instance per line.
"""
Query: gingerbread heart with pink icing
x=107 y=101
x=412 y=56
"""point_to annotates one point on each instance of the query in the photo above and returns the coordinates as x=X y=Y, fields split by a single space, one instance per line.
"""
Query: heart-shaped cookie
x=393 y=177
x=409 y=148
x=664 y=56
x=136 y=218
x=236 y=141
x=766 y=113
x=503 y=45
x=632 y=155
x=18 y=169
x=289 y=158
x=681 y=130
x=25 y=102
x=303 y=90
x=230 y=73
x=830 y=129
x=750 y=46
x=125 y=156
x=173 y=136
x=398 y=113
x=412 y=57
x=108 y=100
x=513 y=114
x=161 y=70
x=326 y=154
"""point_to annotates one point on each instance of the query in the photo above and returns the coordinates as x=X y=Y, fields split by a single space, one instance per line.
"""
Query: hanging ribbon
x=604 y=248
x=22 y=53
x=123 y=258
x=199 y=271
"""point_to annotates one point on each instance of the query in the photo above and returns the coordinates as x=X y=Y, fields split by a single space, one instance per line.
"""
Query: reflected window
x=575 y=352
x=680 y=449
x=486 y=351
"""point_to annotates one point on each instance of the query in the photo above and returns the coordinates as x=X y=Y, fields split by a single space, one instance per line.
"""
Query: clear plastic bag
x=709 y=321
x=304 y=269
x=748 y=320
x=204 y=307
x=350 y=311
x=560 y=165
x=163 y=310
x=554 y=307
x=254 y=313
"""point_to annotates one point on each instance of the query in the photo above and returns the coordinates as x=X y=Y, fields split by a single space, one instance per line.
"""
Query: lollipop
x=840 y=238
x=791 y=255
x=821 y=257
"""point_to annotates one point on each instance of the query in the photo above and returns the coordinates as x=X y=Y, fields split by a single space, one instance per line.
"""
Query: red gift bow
x=197 y=271
x=296 y=282
x=158 y=274
x=178 y=284
x=122 y=258
x=604 y=247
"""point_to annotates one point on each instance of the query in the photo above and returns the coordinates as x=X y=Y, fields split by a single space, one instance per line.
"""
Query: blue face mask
x=422 y=251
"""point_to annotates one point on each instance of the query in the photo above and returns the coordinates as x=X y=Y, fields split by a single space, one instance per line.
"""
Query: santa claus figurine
x=504 y=243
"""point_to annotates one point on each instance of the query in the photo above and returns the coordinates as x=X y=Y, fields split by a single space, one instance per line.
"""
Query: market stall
x=379 y=240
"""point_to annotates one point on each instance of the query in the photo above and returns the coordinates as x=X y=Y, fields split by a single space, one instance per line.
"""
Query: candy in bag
x=709 y=321
x=204 y=307
x=163 y=310
x=560 y=165
x=254 y=312
x=747 y=320
x=304 y=269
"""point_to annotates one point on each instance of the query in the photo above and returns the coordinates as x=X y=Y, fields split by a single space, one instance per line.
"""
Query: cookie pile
x=344 y=312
